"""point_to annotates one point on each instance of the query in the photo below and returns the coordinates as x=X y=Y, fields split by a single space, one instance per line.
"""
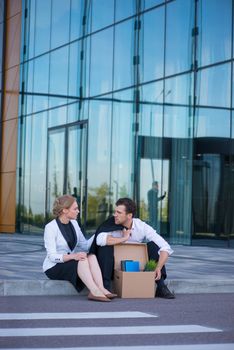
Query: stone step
x=49 y=287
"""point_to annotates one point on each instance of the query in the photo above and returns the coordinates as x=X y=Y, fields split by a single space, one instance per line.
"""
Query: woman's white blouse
x=56 y=245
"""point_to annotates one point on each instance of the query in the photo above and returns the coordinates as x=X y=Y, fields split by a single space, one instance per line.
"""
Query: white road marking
x=73 y=315
x=63 y=331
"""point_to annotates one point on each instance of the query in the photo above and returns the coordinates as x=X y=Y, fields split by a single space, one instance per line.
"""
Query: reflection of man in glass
x=153 y=200
x=102 y=211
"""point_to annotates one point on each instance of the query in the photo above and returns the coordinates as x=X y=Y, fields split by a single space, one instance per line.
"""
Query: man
x=123 y=228
x=153 y=200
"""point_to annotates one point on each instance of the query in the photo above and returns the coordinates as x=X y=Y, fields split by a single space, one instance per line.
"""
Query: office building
x=103 y=98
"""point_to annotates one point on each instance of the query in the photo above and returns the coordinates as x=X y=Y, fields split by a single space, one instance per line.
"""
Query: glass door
x=67 y=165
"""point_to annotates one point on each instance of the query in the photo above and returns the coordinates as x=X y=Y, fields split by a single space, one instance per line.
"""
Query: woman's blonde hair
x=63 y=202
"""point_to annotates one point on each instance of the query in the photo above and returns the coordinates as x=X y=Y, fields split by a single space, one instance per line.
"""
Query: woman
x=62 y=236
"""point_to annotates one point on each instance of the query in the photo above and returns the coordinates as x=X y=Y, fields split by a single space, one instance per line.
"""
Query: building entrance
x=67 y=165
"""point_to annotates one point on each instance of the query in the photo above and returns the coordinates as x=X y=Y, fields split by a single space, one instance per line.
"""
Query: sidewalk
x=190 y=269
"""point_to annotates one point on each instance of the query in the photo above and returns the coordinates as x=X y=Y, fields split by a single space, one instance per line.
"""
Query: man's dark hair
x=129 y=205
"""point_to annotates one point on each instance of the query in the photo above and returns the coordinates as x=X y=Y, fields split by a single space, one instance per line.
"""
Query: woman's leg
x=96 y=273
x=85 y=275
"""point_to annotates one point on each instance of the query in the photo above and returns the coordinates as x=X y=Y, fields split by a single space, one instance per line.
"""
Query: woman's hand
x=75 y=256
x=79 y=256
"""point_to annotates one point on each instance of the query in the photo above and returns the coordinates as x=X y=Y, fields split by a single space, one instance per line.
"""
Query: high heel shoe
x=96 y=298
x=111 y=295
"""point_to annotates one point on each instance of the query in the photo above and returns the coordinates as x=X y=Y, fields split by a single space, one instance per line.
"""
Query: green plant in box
x=150 y=265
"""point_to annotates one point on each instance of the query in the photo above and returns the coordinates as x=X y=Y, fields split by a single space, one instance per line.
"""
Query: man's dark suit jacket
x=107 y=226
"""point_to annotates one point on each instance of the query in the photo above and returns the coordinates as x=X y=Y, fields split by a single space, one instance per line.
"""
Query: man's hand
x=126 y=233
x=157 y=274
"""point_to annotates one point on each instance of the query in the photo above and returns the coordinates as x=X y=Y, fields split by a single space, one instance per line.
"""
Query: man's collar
x=132 y=225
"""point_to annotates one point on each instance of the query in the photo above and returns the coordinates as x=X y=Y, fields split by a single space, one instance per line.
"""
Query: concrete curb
x=49 y=287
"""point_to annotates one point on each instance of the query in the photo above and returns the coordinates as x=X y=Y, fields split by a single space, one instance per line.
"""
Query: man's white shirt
x=140 y=232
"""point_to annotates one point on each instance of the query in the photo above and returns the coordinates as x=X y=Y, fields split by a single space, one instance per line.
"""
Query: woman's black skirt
x=66 y=271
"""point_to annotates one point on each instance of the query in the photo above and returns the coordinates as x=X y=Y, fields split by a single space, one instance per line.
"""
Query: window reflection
x=179 y=89
x=1 y=44
x=35 y=167
x=102 y=13
x=98 y=158
x=60 y=22
x=59 y=71
x=151 y=3
x=124 y=9
x=74 y=69
x=55 y=170
x=57 y=116
x=124 y=36
x=153 y=44
x=101 y=62
x=151 y=120
x=177 y=123
x=122 y=146
x=212 y=122
x=214 y=40
x=1 y=10
x=214 y=86
x=180 y=21
x=42 y=26
x=77 y=12
x=32 y=26
x=40 y=80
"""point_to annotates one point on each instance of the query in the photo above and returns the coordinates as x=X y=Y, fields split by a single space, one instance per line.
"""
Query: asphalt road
x=191 y=322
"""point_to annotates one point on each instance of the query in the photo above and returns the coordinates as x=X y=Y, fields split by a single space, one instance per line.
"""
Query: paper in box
x=133 y=284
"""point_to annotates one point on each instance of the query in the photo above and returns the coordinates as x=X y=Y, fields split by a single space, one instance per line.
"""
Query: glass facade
x=120 y=94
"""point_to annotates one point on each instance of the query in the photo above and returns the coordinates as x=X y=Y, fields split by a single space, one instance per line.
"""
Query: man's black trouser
x=105 y=256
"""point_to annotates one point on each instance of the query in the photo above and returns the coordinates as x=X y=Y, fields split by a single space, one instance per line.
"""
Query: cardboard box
x=133 y=284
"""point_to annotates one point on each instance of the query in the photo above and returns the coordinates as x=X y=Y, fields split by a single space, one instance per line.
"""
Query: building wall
x=9 y=121
x=118 y=94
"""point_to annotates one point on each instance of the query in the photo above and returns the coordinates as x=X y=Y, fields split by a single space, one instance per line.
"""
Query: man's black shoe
x=164 y=292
